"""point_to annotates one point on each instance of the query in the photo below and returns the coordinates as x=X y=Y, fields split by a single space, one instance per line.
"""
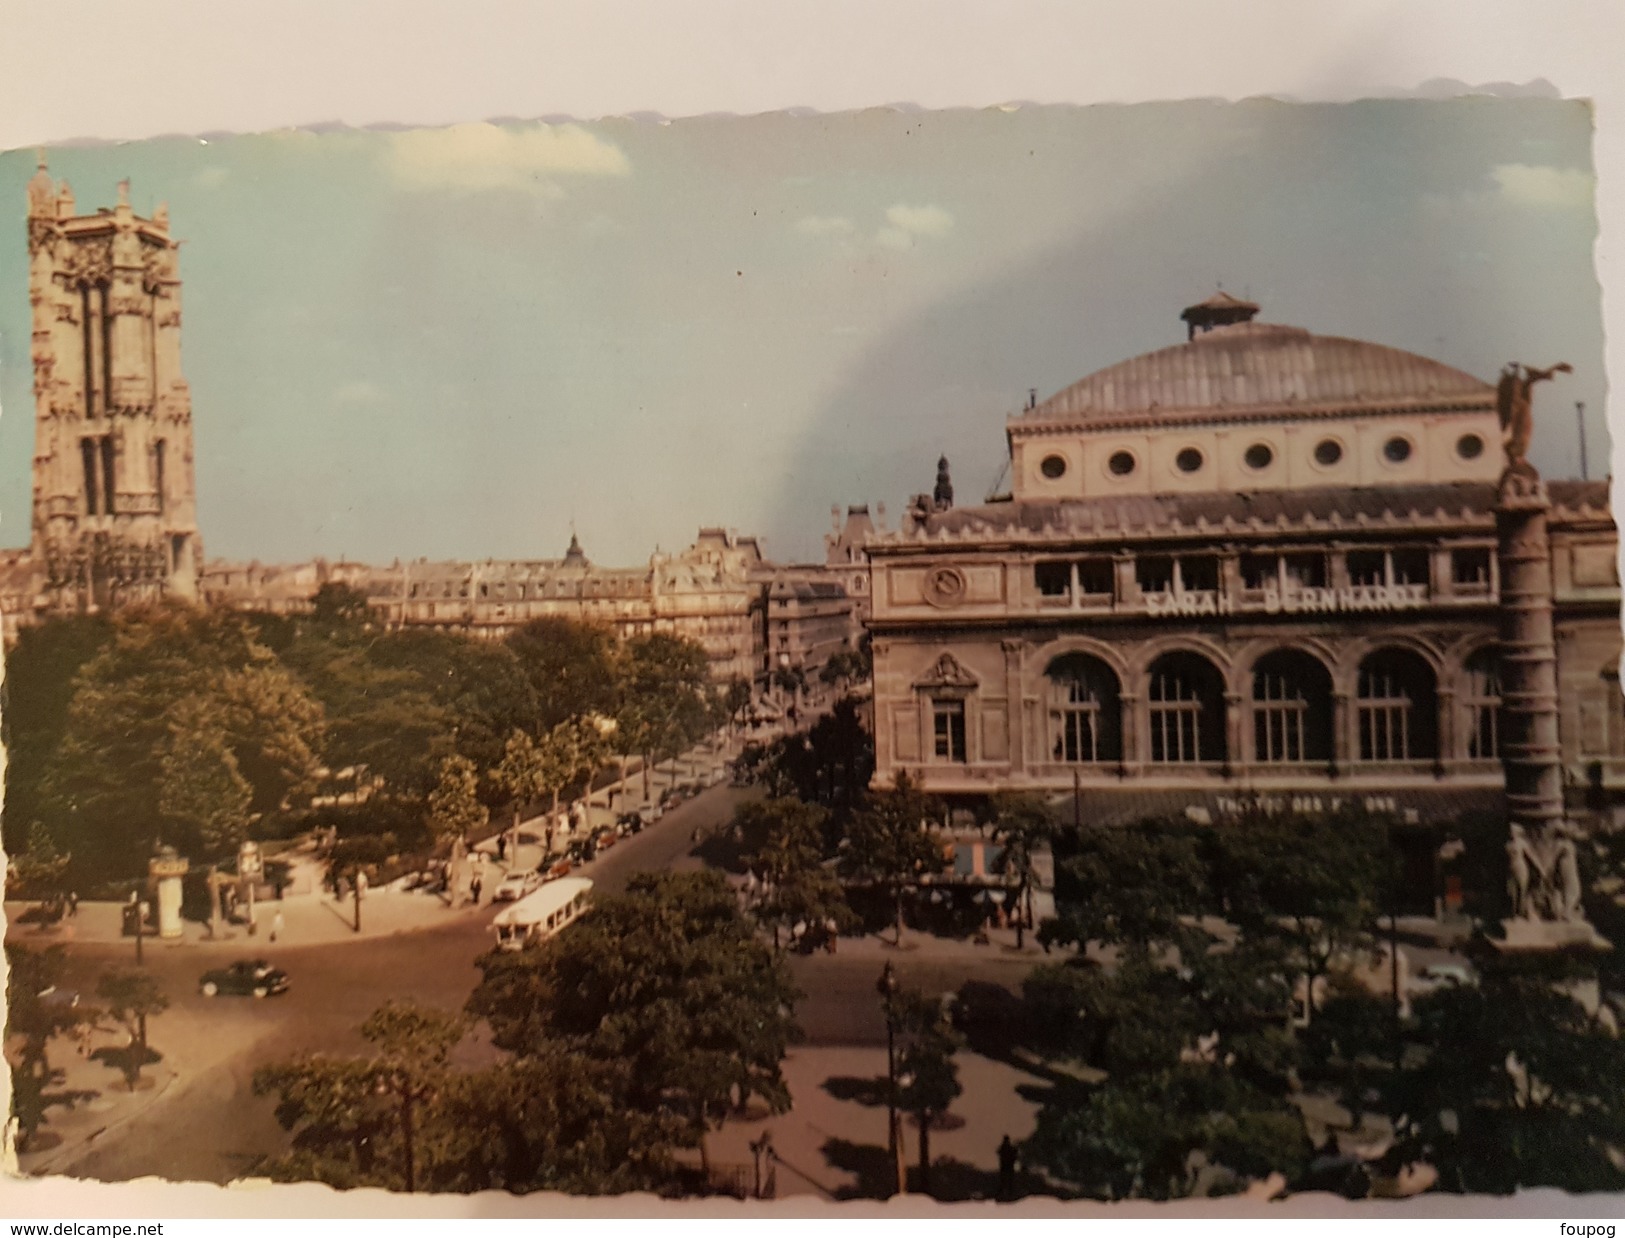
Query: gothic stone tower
x=115 y=516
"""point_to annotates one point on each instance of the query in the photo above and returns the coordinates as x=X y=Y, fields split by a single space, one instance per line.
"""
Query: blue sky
x=457 y=342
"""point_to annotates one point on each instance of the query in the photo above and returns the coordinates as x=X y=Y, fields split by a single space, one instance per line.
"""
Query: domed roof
x=1252 y=365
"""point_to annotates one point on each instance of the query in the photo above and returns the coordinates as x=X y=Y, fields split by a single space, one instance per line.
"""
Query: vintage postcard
x=1039 y=653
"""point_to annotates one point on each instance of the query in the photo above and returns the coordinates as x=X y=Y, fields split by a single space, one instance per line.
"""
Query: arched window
x=1398 y=707
x=1481 y=703
x=1084 y=711
x=1186 y=695
x=1292 y=708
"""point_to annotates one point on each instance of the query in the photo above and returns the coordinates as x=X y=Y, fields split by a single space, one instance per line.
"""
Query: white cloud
x=1527 y=184
x=360 y=391
x=477 y=157
x=824 y=225
x=906 y=225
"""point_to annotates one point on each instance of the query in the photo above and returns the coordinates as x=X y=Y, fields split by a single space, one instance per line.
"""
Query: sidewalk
x=832 y=1142
x=308 y=920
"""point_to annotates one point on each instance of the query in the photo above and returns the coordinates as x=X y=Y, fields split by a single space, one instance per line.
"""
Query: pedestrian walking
x=73 y=902
x=474 y=889
x=1007 y=1170
x=502 y=848
x=277 y=925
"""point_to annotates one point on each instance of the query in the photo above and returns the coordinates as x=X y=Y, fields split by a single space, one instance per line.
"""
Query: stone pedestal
x=1533 y=935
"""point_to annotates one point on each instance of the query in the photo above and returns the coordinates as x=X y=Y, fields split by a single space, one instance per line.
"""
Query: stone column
x=1530 y=753
x=1235 y=756
x=1345 y=745
x=1015 y=711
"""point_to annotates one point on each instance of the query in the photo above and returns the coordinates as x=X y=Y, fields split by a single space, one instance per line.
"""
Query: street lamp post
x=887 y=988
x=141 y=909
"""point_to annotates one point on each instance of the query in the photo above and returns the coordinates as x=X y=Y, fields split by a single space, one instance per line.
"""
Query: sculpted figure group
x=1543 y=876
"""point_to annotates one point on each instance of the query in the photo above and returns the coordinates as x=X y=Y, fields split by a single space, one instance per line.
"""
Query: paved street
x=202 y=1120
x=209 y=1125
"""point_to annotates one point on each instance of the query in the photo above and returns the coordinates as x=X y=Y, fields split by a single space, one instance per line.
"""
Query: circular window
x=1328 y=452
x=1469 y=447
x=1121 y=463
x=1259 y=456
x=1188 y=460
x=1053 y=467
x=1397 y=450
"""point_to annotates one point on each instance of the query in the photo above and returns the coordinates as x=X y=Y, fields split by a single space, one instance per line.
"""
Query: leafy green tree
x=479 y=686
x=1137 y=886
x=355 y=1122
x=1514 y=1083
x=41 y=671
x=782 y=843
x=1146 y=1137
x=131 y=997
x=573 y=669
x=35 y=1016
x=524 y=772
x=104 y=782
x=455 y=810
x=1023 y=826
x=381 y=720
x=892 y=842
x=1313 y=884
x=37 y=870
x=928 y=1074
x=203 y=797
x=662 y=706
x=336 y=604
x=670 y=981
x=553 y=1120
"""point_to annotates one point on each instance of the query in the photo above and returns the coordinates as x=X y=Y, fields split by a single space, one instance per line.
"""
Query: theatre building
x=1258 y=563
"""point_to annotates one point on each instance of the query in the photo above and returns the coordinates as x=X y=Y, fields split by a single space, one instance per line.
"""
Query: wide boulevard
x=210 y=1126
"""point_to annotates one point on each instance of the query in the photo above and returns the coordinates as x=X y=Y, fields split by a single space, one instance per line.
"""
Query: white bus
x=538 y=916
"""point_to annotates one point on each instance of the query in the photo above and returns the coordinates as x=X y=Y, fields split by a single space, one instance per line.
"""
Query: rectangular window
x=1366 y=567
x=107 y=475
x=948 y=728
x=1410 y=566
x=1199 y=573
x=158 y=472
x=1306 y=570
x=1096 y=578
x=1280 y=715
x=1470 y=569
x=1155 y=573
x=1054 y=580
x=1259 y=571
x=89 y=457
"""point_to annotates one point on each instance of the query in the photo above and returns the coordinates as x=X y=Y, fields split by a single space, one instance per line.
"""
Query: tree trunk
x=898 y=900
x=552 y=822
x=645 y=776
x=1021 y=914
x=925 y=1153
x=406 y=1138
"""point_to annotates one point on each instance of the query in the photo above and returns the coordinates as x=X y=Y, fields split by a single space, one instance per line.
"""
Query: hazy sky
x=456 y=342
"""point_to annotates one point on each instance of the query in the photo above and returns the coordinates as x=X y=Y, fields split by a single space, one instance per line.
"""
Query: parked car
x=630 y=822
x=583 y=850
x=554 y=866
x=1437 y=976
x=515 y=885
x=605 y=837
x=247 y=976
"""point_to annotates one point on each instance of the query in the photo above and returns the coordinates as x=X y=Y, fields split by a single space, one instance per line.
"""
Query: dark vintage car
x=249 y=976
